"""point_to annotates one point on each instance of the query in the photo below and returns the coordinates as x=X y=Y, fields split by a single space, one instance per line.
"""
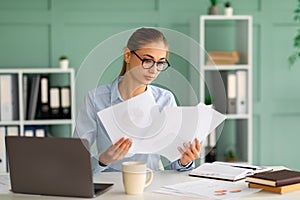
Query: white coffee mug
x=135 y=177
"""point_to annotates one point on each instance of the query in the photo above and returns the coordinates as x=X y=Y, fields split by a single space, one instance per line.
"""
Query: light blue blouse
x=89 y=126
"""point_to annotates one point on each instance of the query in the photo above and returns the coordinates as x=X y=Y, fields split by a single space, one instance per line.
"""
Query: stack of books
x=281 y=181
x=223 y=58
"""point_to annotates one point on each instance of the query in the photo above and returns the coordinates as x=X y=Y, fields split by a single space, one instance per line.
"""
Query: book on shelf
x=25 y=94
x=231 y=93
x=12 y=131
x=44 y=98
x=9 y=106
x=223 y=58
x=237 y=91
x=226 y=171
x=33 y=98
x=65 y=100
x=275 y=178
x=279 y=190
x=55 y=102
x=241 y=97
x=40 y=131
x=35 y=131
x=29 y=131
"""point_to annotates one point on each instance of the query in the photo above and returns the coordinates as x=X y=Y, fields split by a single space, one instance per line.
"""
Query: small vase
x=64 y=64
x=228 y=11
x=213 y=10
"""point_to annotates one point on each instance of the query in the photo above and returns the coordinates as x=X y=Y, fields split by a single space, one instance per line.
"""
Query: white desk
x=160 y=179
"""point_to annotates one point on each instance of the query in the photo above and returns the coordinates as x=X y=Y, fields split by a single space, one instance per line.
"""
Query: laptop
x=52 y=166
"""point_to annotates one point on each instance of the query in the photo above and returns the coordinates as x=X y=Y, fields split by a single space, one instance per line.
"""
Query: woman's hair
x=140 y=38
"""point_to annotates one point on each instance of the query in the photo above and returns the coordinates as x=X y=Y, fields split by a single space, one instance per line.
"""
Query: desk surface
x=160 y=179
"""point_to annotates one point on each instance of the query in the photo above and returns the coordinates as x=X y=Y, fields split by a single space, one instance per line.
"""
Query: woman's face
x=154 y=51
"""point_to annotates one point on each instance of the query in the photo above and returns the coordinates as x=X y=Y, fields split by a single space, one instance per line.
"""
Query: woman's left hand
x=190 y=152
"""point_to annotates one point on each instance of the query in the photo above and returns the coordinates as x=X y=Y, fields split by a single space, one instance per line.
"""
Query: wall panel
x=286 y=82
x=257 y=68
x=108 y=5
x=24 y=45
x=24 y=5
x=283 y=143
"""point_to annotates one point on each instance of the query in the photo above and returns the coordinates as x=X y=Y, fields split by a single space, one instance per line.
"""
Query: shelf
x=238 y=116
x=226 y=67
x=60 y=77
x=49 y=122
x=224 y=17
x=35 y=71
x=9 y=123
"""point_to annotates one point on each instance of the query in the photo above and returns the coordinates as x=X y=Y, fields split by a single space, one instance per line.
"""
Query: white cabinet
x=59 y=126
x=228 y=83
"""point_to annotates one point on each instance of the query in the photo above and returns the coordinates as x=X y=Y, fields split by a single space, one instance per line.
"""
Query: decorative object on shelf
x=230 y=156
x=296 y=54
x=228 y=10
x=64 y=62
x=223 y=57
x=213 y=9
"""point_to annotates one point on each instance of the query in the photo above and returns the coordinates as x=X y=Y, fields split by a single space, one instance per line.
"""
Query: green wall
x=34 y=33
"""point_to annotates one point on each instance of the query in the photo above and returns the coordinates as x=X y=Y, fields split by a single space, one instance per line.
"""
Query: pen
x=253 y=168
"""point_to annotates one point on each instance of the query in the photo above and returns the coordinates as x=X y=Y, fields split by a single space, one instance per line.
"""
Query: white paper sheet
x=153 y=131
x=209 y=188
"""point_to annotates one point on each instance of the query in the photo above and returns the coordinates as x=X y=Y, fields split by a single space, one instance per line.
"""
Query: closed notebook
x=219 y=171
x=275 y=178
x=279 y=190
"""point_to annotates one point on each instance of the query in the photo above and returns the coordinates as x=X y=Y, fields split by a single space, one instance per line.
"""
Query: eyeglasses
x=148 y=63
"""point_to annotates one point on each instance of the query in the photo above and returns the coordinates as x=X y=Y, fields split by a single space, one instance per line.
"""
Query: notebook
x=276 y=178
x=226 y=171
x=51 y=166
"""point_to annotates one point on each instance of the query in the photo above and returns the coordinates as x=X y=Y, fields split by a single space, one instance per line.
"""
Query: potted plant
x=230 y=156
x=228 y=10
x=295 y=57
x=64 y=62
x=213 y=9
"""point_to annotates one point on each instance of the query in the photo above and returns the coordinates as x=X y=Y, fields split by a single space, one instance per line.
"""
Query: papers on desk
x=227 y=171
x=155 y=131
x=211 y=189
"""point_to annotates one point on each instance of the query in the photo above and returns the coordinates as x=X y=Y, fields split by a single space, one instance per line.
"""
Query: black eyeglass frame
x=143 y=60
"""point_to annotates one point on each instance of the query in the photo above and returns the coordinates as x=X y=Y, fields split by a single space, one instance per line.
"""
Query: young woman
x=144 y=58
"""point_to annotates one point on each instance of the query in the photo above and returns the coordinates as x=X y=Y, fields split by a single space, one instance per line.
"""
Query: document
x=158 y=131
x=211 y=189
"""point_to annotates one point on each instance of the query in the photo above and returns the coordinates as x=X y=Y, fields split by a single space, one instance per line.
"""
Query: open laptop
x=51 y=166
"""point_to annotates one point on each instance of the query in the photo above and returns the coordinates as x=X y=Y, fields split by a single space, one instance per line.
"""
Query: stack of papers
x=158 y=131
x=227 y=171
x=211 y=189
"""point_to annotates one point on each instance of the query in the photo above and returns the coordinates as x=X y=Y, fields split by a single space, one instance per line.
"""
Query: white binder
x=231 y=93
x=9 y=97
x=241 y=99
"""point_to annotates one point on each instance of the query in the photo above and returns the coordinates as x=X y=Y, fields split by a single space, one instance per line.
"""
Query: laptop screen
x=50 y=166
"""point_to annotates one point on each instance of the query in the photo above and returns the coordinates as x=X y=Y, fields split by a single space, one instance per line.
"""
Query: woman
x=144 y=58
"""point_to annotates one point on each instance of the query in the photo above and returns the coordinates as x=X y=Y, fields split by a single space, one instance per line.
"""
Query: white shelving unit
x=228 y=33
x=57 y=77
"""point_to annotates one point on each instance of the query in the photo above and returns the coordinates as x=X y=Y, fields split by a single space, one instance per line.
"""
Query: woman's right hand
x=115 y=152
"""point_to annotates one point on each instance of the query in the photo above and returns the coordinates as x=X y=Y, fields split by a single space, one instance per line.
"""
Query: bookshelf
x=57 y=127
x=228 y=34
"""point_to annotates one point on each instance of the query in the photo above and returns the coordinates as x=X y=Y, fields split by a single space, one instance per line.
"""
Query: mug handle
x=149 y=180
